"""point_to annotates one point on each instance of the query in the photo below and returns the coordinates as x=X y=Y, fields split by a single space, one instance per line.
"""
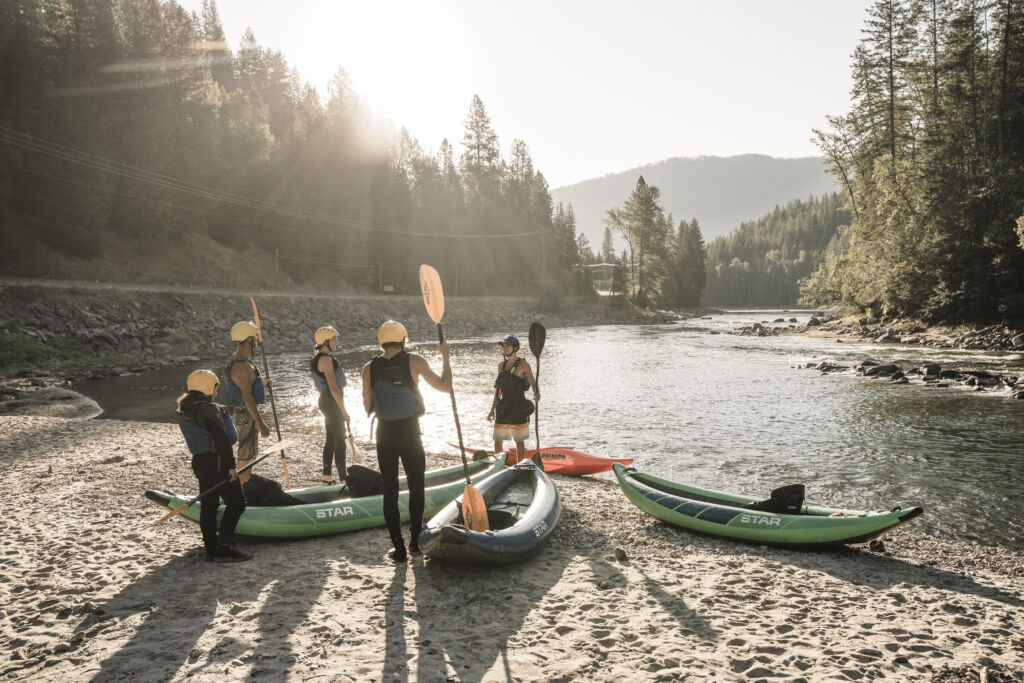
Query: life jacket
x=319 y=381
x=233 y=399
x=513 y=406
x=199 y=440
x=395 y=394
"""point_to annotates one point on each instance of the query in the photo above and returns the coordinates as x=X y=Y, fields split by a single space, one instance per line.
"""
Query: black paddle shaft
x=214 y=489
x=455 y=412
x=537 y=336
x=273 y=405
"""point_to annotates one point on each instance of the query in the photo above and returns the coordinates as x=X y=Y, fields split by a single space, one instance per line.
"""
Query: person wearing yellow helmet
x=391 y=390
x=209 y=434
x=246 y=391
x=329 y=381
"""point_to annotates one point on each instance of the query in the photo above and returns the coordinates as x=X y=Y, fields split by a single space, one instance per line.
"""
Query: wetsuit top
x=511 y=408
x=395 y=394
x=234 y=394
x=208 y=428
x=319 y=381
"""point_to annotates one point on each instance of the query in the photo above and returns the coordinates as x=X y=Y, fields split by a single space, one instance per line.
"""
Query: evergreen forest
x=762 y=262
x=930 y=157
x=136 y=146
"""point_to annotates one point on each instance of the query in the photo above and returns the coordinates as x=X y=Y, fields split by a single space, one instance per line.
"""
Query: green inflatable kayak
x=324 y=512
x=724 y=515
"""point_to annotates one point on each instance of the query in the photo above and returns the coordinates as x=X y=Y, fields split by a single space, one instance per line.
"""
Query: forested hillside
x=931 y=159
x=762 y=262
x=135 y=145
x=719 y=192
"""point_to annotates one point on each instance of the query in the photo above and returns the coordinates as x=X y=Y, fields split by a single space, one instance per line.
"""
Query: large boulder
x=882 y=370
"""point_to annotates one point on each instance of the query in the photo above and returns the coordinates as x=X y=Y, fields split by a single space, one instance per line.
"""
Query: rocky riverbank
x=53 y=333
x=930 y=374
x=894 y=331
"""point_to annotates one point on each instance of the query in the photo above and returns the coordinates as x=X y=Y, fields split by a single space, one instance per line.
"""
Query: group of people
x=390 y=385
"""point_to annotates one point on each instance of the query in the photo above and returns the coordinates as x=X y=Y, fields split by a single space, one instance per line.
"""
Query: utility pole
x=380 y=278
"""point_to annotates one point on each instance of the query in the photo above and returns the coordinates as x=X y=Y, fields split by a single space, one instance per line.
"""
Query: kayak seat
x=784 y=500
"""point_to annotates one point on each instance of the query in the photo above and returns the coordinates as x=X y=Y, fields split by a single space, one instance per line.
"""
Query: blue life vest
x=319 y=381
x=395 y=394
x=198 y=439
x=234 y=394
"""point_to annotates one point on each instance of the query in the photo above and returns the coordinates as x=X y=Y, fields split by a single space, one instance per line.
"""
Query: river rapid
x=692 y=403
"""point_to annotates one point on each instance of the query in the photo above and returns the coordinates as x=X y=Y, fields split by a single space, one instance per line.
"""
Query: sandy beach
x=90 y=591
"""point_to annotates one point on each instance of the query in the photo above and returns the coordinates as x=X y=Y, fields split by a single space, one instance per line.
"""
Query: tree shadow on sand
x=177 y=604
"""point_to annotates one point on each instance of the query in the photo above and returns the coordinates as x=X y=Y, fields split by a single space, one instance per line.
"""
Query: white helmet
x=243 y=330
x=203 y=381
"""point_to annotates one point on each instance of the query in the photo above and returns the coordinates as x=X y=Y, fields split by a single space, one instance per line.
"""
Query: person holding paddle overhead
x=329 y=380
x=210 y=434
x=391 y=390
x=246 y=391
x=510 y=410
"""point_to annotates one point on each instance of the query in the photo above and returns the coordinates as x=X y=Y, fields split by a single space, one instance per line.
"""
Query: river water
x=692 y=403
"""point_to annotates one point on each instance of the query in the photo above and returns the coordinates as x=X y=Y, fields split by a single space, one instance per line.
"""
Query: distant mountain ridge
x=720 y=192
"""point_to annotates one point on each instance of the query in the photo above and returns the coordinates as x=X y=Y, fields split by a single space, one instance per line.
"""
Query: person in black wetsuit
x=510 y=410
x=329 y=380
x=390 y=389
x=210 y=434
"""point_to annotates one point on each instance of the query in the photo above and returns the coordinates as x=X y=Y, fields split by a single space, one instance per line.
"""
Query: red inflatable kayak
x=563 y=459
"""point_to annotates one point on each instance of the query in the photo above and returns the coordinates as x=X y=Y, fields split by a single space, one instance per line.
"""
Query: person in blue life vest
x=210 y=434
x=510 y=410
x=246 y=391
x=391 y=390
x=329 y=381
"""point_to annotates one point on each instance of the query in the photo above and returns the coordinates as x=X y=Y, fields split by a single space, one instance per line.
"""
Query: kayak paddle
x=537 y=336
x=474 y=510
x=273 y=406
x=177 y=511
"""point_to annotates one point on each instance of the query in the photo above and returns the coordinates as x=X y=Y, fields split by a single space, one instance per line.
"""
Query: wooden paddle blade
x=279 y=446
x=353 y=450
x=474 y=510
x=256 y=319
x=433 y=294
x=537 y=336
x=172 y=513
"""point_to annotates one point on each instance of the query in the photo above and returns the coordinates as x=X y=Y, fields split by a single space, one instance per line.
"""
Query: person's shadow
x=176 y=605
x=463 y=635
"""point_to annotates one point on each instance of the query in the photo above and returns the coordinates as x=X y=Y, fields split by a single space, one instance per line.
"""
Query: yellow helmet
x=324 y=334
x=243 y=330
x=202 y=380
x=391 y=331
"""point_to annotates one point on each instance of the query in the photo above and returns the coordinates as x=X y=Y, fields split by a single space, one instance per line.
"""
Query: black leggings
x=205 y=469
x=334 y=447
x=400 y=440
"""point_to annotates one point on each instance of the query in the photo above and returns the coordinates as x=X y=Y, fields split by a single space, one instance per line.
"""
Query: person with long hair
x=329 y=381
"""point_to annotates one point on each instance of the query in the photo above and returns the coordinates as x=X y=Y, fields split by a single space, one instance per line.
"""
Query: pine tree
x=641 y=222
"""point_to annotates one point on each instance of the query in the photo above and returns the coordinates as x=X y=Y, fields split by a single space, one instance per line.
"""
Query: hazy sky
x=593 y=87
